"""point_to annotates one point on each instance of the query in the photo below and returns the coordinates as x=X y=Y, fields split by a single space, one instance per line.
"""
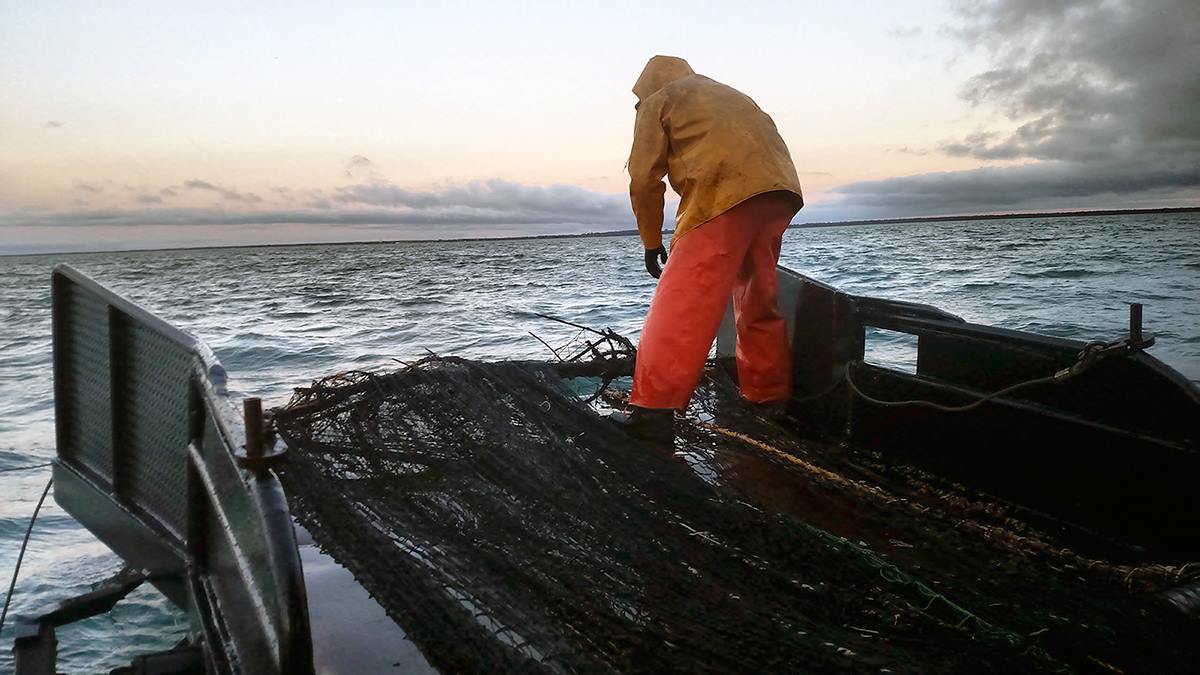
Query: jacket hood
x=658 y=73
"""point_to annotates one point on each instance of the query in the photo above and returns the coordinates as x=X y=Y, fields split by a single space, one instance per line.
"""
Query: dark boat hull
x=1113 y=449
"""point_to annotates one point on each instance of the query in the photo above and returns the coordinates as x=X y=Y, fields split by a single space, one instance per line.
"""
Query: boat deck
x=352 y=633
x=500 y=521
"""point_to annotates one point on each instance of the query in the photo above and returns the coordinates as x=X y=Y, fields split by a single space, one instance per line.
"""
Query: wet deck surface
x=352 y=634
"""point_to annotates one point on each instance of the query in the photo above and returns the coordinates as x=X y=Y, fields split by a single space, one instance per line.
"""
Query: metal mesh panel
x=152 y=389
x=122 y=389
x=85 y=417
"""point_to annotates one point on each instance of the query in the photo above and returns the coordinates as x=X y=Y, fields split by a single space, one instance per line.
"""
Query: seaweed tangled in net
x=506 y=526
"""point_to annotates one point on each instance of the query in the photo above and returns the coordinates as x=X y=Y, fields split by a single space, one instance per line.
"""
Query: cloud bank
x=484 y=201
x=493 y=202
x=225 y=193
x=1102 y=98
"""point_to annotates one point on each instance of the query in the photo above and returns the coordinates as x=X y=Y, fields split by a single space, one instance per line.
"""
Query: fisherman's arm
x=647 y=168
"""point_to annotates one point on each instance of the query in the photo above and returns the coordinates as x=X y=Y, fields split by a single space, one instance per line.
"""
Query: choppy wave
x=1057 y=274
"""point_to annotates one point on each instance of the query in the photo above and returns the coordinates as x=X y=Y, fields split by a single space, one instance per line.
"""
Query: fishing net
x=506 y=526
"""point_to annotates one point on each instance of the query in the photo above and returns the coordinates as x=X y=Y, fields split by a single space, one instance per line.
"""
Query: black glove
x=653 y=256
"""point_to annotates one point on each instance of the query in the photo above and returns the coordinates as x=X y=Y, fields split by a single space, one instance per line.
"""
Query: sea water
x=278 y=317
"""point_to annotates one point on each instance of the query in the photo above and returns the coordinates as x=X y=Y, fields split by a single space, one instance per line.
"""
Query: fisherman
x=738 y=191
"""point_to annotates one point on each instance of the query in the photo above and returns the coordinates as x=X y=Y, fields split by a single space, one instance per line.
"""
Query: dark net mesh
x=505 y=526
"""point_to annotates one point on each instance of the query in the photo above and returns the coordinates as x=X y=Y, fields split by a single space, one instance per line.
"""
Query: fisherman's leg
x=763 y=354
x=686 y=312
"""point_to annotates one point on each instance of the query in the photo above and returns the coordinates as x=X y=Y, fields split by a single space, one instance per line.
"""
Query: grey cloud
x=1088 y=82
x=361 y=168
x=221 y=217
x=495 y=198
x=168 y=192
x=149 y=199
x=1102 y=98
x=495 y=202
x=80 y=186
x=965 y=147
x=55 y=124
x=225 y=193
x=1014 y=186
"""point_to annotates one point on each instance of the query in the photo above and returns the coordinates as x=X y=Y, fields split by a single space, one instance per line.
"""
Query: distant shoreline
x=1005 y=216
x=627 y=233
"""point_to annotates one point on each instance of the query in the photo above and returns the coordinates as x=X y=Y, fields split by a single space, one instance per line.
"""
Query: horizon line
x=632 y=232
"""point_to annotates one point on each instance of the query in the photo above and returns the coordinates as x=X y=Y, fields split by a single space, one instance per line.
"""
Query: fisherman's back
x=721 y=149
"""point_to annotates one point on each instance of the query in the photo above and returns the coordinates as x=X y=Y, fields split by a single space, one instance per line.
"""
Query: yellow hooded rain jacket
x=711 y=141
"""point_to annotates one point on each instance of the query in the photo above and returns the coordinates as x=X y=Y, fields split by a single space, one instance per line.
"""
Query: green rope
x=893 y=574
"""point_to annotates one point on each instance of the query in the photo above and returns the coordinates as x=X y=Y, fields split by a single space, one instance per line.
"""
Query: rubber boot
x=646 y=423
x=771 y=411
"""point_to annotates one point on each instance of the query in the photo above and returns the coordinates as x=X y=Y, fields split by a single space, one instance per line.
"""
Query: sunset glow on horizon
x=134 y=125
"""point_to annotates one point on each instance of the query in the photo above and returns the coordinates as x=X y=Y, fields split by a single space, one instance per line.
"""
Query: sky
x=143 y=125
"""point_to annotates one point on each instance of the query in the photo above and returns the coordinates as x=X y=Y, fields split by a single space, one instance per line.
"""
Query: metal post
x=252 y=412
x=35 y=649
x=1135 y=322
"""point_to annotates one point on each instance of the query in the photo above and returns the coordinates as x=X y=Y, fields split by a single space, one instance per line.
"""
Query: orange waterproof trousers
x=734 y=253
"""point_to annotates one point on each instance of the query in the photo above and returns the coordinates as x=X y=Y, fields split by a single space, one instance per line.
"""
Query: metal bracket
x=260 y=449
x=1094 y=351
x=1137 y=339
x=35 y=647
